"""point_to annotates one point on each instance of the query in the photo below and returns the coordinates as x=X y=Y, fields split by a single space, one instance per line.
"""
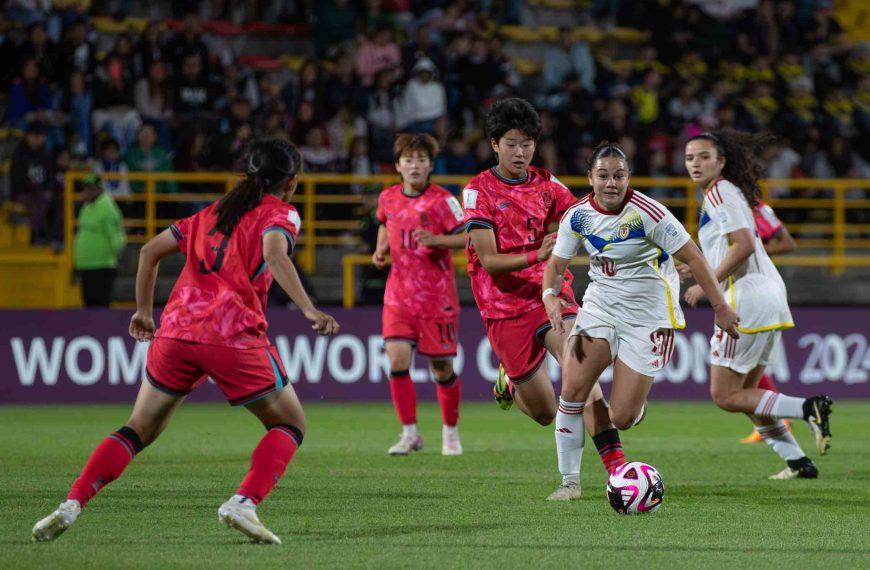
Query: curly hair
x=740 y=150
x=603 y=150
x=512 y=113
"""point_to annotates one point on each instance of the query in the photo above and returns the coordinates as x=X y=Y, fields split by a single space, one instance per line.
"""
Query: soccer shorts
x=643 y=349
x=177 y=367
x=518 y=342
x=744 y=353
x=434 y=338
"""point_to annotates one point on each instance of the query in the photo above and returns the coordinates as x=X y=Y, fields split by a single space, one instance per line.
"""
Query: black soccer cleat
x=802 y=468
x=817 y=411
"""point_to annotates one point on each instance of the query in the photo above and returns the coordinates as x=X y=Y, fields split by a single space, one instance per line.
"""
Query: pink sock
x=106 y=464
x=404 y=397
x=449 y=396
x=269 y=460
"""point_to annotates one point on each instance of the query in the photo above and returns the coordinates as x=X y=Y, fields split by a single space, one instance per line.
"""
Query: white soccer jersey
x=756 y=291
x=633 y=275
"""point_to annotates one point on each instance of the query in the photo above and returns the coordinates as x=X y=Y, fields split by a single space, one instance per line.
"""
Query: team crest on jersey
x=547 y=198
x=623 y=231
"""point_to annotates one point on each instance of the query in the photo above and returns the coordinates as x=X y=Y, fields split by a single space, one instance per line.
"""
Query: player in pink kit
x=508 y=212
x=420 y=224
x=214 y=326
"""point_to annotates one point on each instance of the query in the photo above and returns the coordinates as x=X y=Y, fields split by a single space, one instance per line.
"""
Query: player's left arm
x=162 y=245
x=725 y=317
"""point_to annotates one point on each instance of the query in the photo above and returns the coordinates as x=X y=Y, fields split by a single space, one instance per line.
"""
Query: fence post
x=838 y=264
x=308 y=225
x=150 y=208
x=348 y=279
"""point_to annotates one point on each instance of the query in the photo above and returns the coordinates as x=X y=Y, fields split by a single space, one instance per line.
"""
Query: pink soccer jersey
x=766 y=222
x=421 y=279
x=220 y=296
x=519 y=212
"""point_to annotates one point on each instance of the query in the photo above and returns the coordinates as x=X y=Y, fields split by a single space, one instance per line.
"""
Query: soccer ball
x=635 y=488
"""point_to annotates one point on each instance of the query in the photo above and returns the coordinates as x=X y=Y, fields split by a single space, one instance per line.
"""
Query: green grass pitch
x=345 y=504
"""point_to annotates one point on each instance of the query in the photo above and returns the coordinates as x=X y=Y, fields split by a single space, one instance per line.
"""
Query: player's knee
x=544 y=417
x=622 y=419
x=724 y=399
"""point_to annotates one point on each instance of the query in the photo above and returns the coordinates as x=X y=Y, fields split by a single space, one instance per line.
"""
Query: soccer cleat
x=406 y=444
x=241 y=514
x=501 y=390
x=801 y=468
x=450 y=444
x=817 y=410
x=753 y=437
x=567 y=491
x=57 y=522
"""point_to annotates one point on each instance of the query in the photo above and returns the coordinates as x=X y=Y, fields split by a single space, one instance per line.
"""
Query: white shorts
x=745 y=353
x=644 y=350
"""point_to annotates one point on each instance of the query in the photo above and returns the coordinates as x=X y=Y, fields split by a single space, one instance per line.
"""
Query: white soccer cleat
x=407 y=444
x=241 y=514
x=450 y=444
x=567 y=491
x=57 y=522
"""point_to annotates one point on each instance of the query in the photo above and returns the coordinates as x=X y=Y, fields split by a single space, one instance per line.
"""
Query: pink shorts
x=519 y=341
x=434 y=338
x=177 y=367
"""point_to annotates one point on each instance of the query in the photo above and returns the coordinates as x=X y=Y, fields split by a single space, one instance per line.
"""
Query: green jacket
x=101 y=236
x=155 y=161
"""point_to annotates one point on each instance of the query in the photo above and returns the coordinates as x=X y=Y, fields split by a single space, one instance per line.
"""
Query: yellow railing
x=839 y=240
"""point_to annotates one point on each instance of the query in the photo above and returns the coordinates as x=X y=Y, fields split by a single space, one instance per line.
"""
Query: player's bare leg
x=729 y=392
x=449 y=392
x=404 y=397
x=282 y=416
x=151 y=413
x=581 y=402
x=628 y=395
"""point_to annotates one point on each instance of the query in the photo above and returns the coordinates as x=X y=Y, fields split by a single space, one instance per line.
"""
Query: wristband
x=549 y=291
x=532 y=257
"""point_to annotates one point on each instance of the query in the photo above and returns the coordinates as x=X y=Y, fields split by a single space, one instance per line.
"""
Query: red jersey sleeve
x=286 y=221
x=451 y=214
x=181 y=231
x=380 y=213
x=479 y=210
x=562 y=197
x=766 y=222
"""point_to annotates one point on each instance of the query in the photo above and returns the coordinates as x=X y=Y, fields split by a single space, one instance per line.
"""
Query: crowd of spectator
x=159 y=101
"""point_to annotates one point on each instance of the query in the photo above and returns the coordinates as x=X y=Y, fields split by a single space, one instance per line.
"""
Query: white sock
x=570 y=434
x=777 y=436
x=774 y=405
x=409 y=430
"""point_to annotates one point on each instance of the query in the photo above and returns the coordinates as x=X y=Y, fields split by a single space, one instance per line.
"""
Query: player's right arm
x=782 y=242
x=142 y=322
x=275 y=246
x=382 y=247
x=496 y=263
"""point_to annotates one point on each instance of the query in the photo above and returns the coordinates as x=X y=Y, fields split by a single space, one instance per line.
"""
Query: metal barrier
x=838 y=240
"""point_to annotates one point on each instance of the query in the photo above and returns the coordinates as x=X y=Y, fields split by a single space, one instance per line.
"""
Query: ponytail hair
x=269 y=165
x=606 y=149
x=740 y=150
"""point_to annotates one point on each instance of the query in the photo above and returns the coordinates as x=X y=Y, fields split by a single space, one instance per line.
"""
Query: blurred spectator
x=781 y=162
x=382 y=118
x=308 y=89
x=422 y=45
x=29 y=98
x=193 y=94
x=235 y=147
x=378 y=53
x=151 y=48
x=28 y=12
x=77 y=51
x=148 y=156
x=114 y=106
x=567 y=66
x=839 y=113
x=457 y=157
x=238 y=82
x=342 y=87
x=126 y=52
x=333 y=24
x=359 y=163
x=316 y=153
x=645 y=98
x=684 y=108
x=110 y=162
x=32 y=179
x=100 y=239
x=760 y=105
x=195 y=154
x=343 y=128
x=154 y=101
x=188 y=41
x=79 y=103
x=484 y=156
x=39 y=47
x=8 y=53
x=480 y=74
x=304 y=121
x=423 y=101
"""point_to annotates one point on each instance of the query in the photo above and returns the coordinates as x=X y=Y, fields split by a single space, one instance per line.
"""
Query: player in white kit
x=723 y=165
x=631 y=308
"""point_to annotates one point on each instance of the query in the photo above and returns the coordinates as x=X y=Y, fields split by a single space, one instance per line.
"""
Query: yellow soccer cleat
x=501 y=390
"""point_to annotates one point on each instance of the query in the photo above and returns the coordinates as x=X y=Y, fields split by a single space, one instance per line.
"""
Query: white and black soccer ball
x=635 y=488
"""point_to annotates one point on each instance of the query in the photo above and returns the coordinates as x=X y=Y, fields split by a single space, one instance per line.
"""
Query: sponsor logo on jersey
x=504 y=205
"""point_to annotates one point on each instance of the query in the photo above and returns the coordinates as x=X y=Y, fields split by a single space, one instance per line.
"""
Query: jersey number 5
x=530 y=225
x=219 y=260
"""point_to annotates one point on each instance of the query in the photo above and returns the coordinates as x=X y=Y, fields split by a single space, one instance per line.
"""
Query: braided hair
x=269 y=165
x=740 y=150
